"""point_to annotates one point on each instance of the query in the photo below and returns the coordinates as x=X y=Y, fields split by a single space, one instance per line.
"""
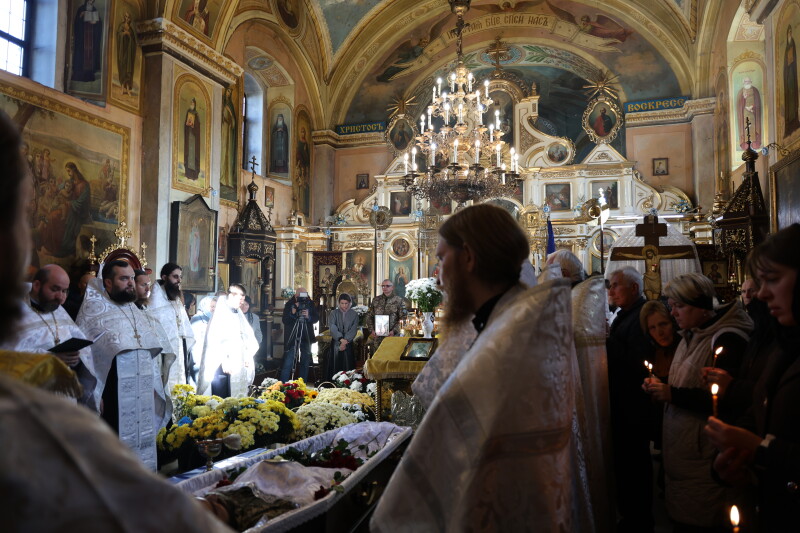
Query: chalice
x=209 y=449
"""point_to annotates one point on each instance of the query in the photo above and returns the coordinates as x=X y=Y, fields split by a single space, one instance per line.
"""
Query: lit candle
x=433 y=154
x=469 y=82
x=434 y=94
x=405 y=161
x=486 y=88
x=516 y=163
x=735 y=518
x=498 y=154
x=430 y=120
x=512 y=159
x=503 y=175
x=714 y=391
x=649 y=367
x=455 y=152
x=421 y=123
x=460 y=113
x=717 y=353
x=491 y=133
x=477 y=151
x=497 y=120
x=439 y=85
x=479 y=110
x=452 y=81
x=447 y=114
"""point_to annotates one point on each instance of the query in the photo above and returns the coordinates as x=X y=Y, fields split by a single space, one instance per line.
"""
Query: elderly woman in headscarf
x=694 y=498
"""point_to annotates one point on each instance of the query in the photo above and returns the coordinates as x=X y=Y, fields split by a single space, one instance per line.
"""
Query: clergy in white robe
x=172 y=315
x=125 y=359
x=230 y=346
x=496 y=450
x=45 y=323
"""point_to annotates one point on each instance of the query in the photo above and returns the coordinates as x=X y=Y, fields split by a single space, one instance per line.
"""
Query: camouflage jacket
x=393 y=305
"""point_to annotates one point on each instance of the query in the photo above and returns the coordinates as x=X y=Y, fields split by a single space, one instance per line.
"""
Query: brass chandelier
x=463 y=139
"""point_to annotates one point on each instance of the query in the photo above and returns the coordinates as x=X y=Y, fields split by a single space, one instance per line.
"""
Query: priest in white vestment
x=45 y=323
x=495 y=450
x=167 y=307
x=227 y=367
x=125 y=359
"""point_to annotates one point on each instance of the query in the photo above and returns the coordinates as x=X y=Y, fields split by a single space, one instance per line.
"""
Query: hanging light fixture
x=463 y=139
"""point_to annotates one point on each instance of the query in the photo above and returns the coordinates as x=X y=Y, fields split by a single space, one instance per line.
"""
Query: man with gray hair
x=628 y=348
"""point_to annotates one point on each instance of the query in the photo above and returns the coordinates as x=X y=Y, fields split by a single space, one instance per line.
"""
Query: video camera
x=303 y=303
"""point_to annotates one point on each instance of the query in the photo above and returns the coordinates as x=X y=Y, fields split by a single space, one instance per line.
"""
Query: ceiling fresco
x=342 y=16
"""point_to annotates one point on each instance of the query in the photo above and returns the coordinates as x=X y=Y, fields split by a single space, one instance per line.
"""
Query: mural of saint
x=401 y=135
x=302 y=167
x=279 y=160
x=78 y=200
x=603 y=124
x=191 y=141
x=748 y=106
x=126 y=52
x=790 y=93
x=227 y=177
x=197 y=15
x=288 y=13
x=87 y=49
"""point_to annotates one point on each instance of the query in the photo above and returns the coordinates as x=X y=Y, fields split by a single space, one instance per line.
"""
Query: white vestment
x=36 y=333
x=442 y=363
x=138 y=372
x=173 y=318
x=230 y=342
x=495 y=450
x=163 y=362
x=65 y=470
x=589 y=307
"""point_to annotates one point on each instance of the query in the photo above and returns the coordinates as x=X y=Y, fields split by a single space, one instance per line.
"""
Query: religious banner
x=191 y=139
x=87 y=23
x=79 y=166
x=126 y=56
x=657 y=250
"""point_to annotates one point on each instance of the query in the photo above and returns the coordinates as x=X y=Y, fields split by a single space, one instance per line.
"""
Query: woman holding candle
x=694 y=499
x=770 y=446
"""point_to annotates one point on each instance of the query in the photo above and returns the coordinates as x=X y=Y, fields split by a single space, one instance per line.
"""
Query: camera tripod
x=299 y=333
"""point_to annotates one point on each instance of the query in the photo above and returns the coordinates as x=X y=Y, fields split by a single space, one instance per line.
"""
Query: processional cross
x=651 y=253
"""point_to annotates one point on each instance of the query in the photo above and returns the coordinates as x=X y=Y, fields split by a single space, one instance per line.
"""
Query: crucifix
x=651 y=253
x=253 y=164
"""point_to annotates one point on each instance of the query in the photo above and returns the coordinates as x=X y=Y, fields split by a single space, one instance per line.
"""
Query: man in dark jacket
x=628 y=348
x=299 y=317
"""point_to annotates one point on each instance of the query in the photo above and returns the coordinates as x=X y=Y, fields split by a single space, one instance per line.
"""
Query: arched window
x=253 y=130
x=28 y=39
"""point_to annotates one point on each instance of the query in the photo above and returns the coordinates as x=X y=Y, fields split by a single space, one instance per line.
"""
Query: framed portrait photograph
x=192 y=242
x=419 y=349
x=269 y=196
x=558 y=196
x=660 y=166
x=362 y=181
x=716 y=271
x=381 y=325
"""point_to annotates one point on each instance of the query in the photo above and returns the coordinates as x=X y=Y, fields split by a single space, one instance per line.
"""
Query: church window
x=253 y=120
x=16 y=22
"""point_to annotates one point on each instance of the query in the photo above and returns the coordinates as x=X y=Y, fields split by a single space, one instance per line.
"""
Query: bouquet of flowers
x=319 y=417
x=361 y=309
x=425 y=292
x=350 y=379
x=356 y=403
x=292 y=393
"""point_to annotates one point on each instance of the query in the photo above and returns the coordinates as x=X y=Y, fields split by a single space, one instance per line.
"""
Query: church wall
x=673 y=141
x=371 y=160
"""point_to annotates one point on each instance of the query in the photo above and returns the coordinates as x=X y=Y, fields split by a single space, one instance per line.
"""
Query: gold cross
x=122 y=233
x=499 y=51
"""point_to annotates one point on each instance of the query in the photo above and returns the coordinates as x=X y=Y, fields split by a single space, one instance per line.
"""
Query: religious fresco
x=86 y=46
x=303 y=149
x=229 y=154
x=342 y=16
x=79 y=165
x=289 y=12
x=279 y=128
x=788 y=95
x=198 y=16
x=126 y=56
x=722 y=134
x=747 y=89
x=191 y=135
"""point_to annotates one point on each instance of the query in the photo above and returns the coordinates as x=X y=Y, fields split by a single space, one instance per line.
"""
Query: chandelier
x=474 y=149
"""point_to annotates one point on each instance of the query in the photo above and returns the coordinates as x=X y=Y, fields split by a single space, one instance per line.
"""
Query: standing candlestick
x=717 y=353
x=714 y=391
x=735 y=518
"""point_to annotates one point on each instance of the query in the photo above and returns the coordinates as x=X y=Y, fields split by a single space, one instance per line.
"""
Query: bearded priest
x=166 y=306
x=46 y=324
x=125 y=357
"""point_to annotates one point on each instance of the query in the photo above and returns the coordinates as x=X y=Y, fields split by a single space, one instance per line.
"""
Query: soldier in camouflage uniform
x=387 y=303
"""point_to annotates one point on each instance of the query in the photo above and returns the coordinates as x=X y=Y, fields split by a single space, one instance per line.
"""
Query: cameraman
x=299 y=317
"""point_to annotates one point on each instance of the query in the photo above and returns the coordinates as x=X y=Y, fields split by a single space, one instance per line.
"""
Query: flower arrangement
x=343 y=397
x=319 y=417
x=287 y=292
x=292 y=393
x=361 y=309
x=350 y=379
x=425 y=292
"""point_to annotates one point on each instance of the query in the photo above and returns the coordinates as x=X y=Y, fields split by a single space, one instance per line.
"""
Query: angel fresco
x=602 y=27
x=407 y=53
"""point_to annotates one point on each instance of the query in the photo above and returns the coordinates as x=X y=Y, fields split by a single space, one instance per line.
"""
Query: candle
x=460 y=113
x=433 y=154
x=512 y=159
x=735 y=518
x=649 y=367
x=434 y=94
x=477 y=151
x=498 y=154
x=405 y=161
x=497 y=120
x=714 y=391
x=447 y=114
x=486 y=88
x=422 y=123
x=452 y=81
x=717 y=352
x=439 y=85
x=479 y=110
x=430 y=119
x=469 y=82
x=491 y=133
x=455 y=152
